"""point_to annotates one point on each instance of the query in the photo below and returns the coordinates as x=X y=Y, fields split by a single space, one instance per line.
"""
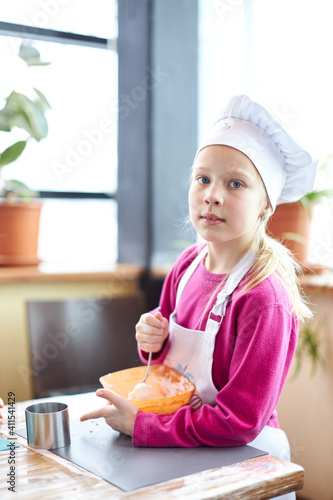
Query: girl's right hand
x=1 y=406
x=151 y=332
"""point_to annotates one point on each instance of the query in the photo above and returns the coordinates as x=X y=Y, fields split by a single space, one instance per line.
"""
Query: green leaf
x=318 y=196
x=27 y=115
x=306 y=202
x=326 y=163
x=12 y=153
x=20 y=189
x=315 y=197
x=5 y=121
x=308 y=347
x=43 y=102
x=31 y=56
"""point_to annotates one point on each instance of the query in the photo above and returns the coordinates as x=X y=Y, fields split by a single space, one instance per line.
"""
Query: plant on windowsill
x=291 y=222
x=19 y=218
x=308 y=347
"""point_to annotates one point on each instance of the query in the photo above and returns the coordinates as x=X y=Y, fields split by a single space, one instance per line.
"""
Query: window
x=80 y=152
x=79 y=156
x=276 y=52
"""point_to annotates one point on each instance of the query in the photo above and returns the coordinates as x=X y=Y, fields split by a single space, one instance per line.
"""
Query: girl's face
x=227 y=197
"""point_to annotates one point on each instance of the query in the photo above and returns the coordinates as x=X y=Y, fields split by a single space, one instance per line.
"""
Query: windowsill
x=321 y=282
x=318 y=283
x=49 y=272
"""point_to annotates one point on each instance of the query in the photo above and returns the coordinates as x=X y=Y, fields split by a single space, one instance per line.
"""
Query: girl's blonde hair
x=273 y=256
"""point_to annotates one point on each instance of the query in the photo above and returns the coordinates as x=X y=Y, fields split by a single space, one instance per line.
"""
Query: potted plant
x=19 y=213
x=291 y=222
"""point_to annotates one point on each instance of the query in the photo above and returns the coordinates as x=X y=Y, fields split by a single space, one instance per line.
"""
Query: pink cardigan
x=253 y=352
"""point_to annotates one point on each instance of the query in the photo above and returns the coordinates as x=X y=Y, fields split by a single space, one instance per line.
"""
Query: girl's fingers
x=120 y=415
x=118 y=401
x=149 y=338
x=154 y=326
x=150 y=320
x=159 y=317
x=100 y=413
x=151 y=331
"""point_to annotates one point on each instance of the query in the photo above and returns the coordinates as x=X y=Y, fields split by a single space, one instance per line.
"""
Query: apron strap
x=223 y=297
x=188 y=273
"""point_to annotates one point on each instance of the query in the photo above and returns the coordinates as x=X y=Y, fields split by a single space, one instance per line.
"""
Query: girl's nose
x=212 y=197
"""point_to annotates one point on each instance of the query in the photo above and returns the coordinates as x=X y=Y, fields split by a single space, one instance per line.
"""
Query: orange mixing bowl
x=161 y=378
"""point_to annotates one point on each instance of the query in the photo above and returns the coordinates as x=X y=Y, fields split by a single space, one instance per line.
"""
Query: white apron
x=191 y=353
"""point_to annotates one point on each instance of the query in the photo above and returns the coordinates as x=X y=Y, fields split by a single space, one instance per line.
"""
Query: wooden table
x=42 y=474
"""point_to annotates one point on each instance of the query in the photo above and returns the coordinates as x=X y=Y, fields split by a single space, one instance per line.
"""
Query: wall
x=306 y=409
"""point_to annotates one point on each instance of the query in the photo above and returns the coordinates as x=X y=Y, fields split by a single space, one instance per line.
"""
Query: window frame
x=157 y=39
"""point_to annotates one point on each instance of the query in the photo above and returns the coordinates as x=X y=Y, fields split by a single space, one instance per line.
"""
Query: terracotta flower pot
x=291 y=224
x=19 y=228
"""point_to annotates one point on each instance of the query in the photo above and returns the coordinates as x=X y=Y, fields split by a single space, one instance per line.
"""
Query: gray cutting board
x=110 y=455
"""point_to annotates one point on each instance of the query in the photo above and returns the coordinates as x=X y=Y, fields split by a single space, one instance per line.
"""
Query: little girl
x=230 y=306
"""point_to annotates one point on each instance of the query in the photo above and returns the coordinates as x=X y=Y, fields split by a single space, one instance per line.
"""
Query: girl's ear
x=268 y=207
x=267 y=211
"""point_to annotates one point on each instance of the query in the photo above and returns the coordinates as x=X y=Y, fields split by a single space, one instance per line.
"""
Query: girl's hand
x=1 y=406
x=151 y=332
x=120 y=415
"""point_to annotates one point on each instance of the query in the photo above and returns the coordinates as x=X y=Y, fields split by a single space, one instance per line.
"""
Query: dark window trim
x=75 y=195
x=134 y=132
x=31 y=32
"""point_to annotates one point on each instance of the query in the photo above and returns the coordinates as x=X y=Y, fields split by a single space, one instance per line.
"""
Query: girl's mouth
x=211 y=219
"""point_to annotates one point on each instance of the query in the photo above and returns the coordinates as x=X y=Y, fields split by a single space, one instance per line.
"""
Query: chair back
x=73 y=342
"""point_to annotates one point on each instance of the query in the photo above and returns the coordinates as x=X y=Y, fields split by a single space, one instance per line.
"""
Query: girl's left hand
x=120 y=415
x=1 y=406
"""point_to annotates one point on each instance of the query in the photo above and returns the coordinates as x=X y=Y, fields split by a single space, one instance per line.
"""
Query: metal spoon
x=148 y=367
x=149 y=356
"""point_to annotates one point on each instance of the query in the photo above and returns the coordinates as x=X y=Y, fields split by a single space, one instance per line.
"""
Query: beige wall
x=306 y=410
x=14 y=341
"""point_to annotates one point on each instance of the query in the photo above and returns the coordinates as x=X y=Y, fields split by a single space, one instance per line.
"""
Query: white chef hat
x=287 y=170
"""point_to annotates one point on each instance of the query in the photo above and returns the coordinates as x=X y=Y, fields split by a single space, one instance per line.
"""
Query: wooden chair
x=74 y=342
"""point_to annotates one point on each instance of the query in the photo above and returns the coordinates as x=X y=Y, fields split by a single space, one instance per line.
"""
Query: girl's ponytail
x=274 y=256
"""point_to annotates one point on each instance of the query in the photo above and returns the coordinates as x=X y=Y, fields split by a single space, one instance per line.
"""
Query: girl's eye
x=203 y=180
x=235 y=184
